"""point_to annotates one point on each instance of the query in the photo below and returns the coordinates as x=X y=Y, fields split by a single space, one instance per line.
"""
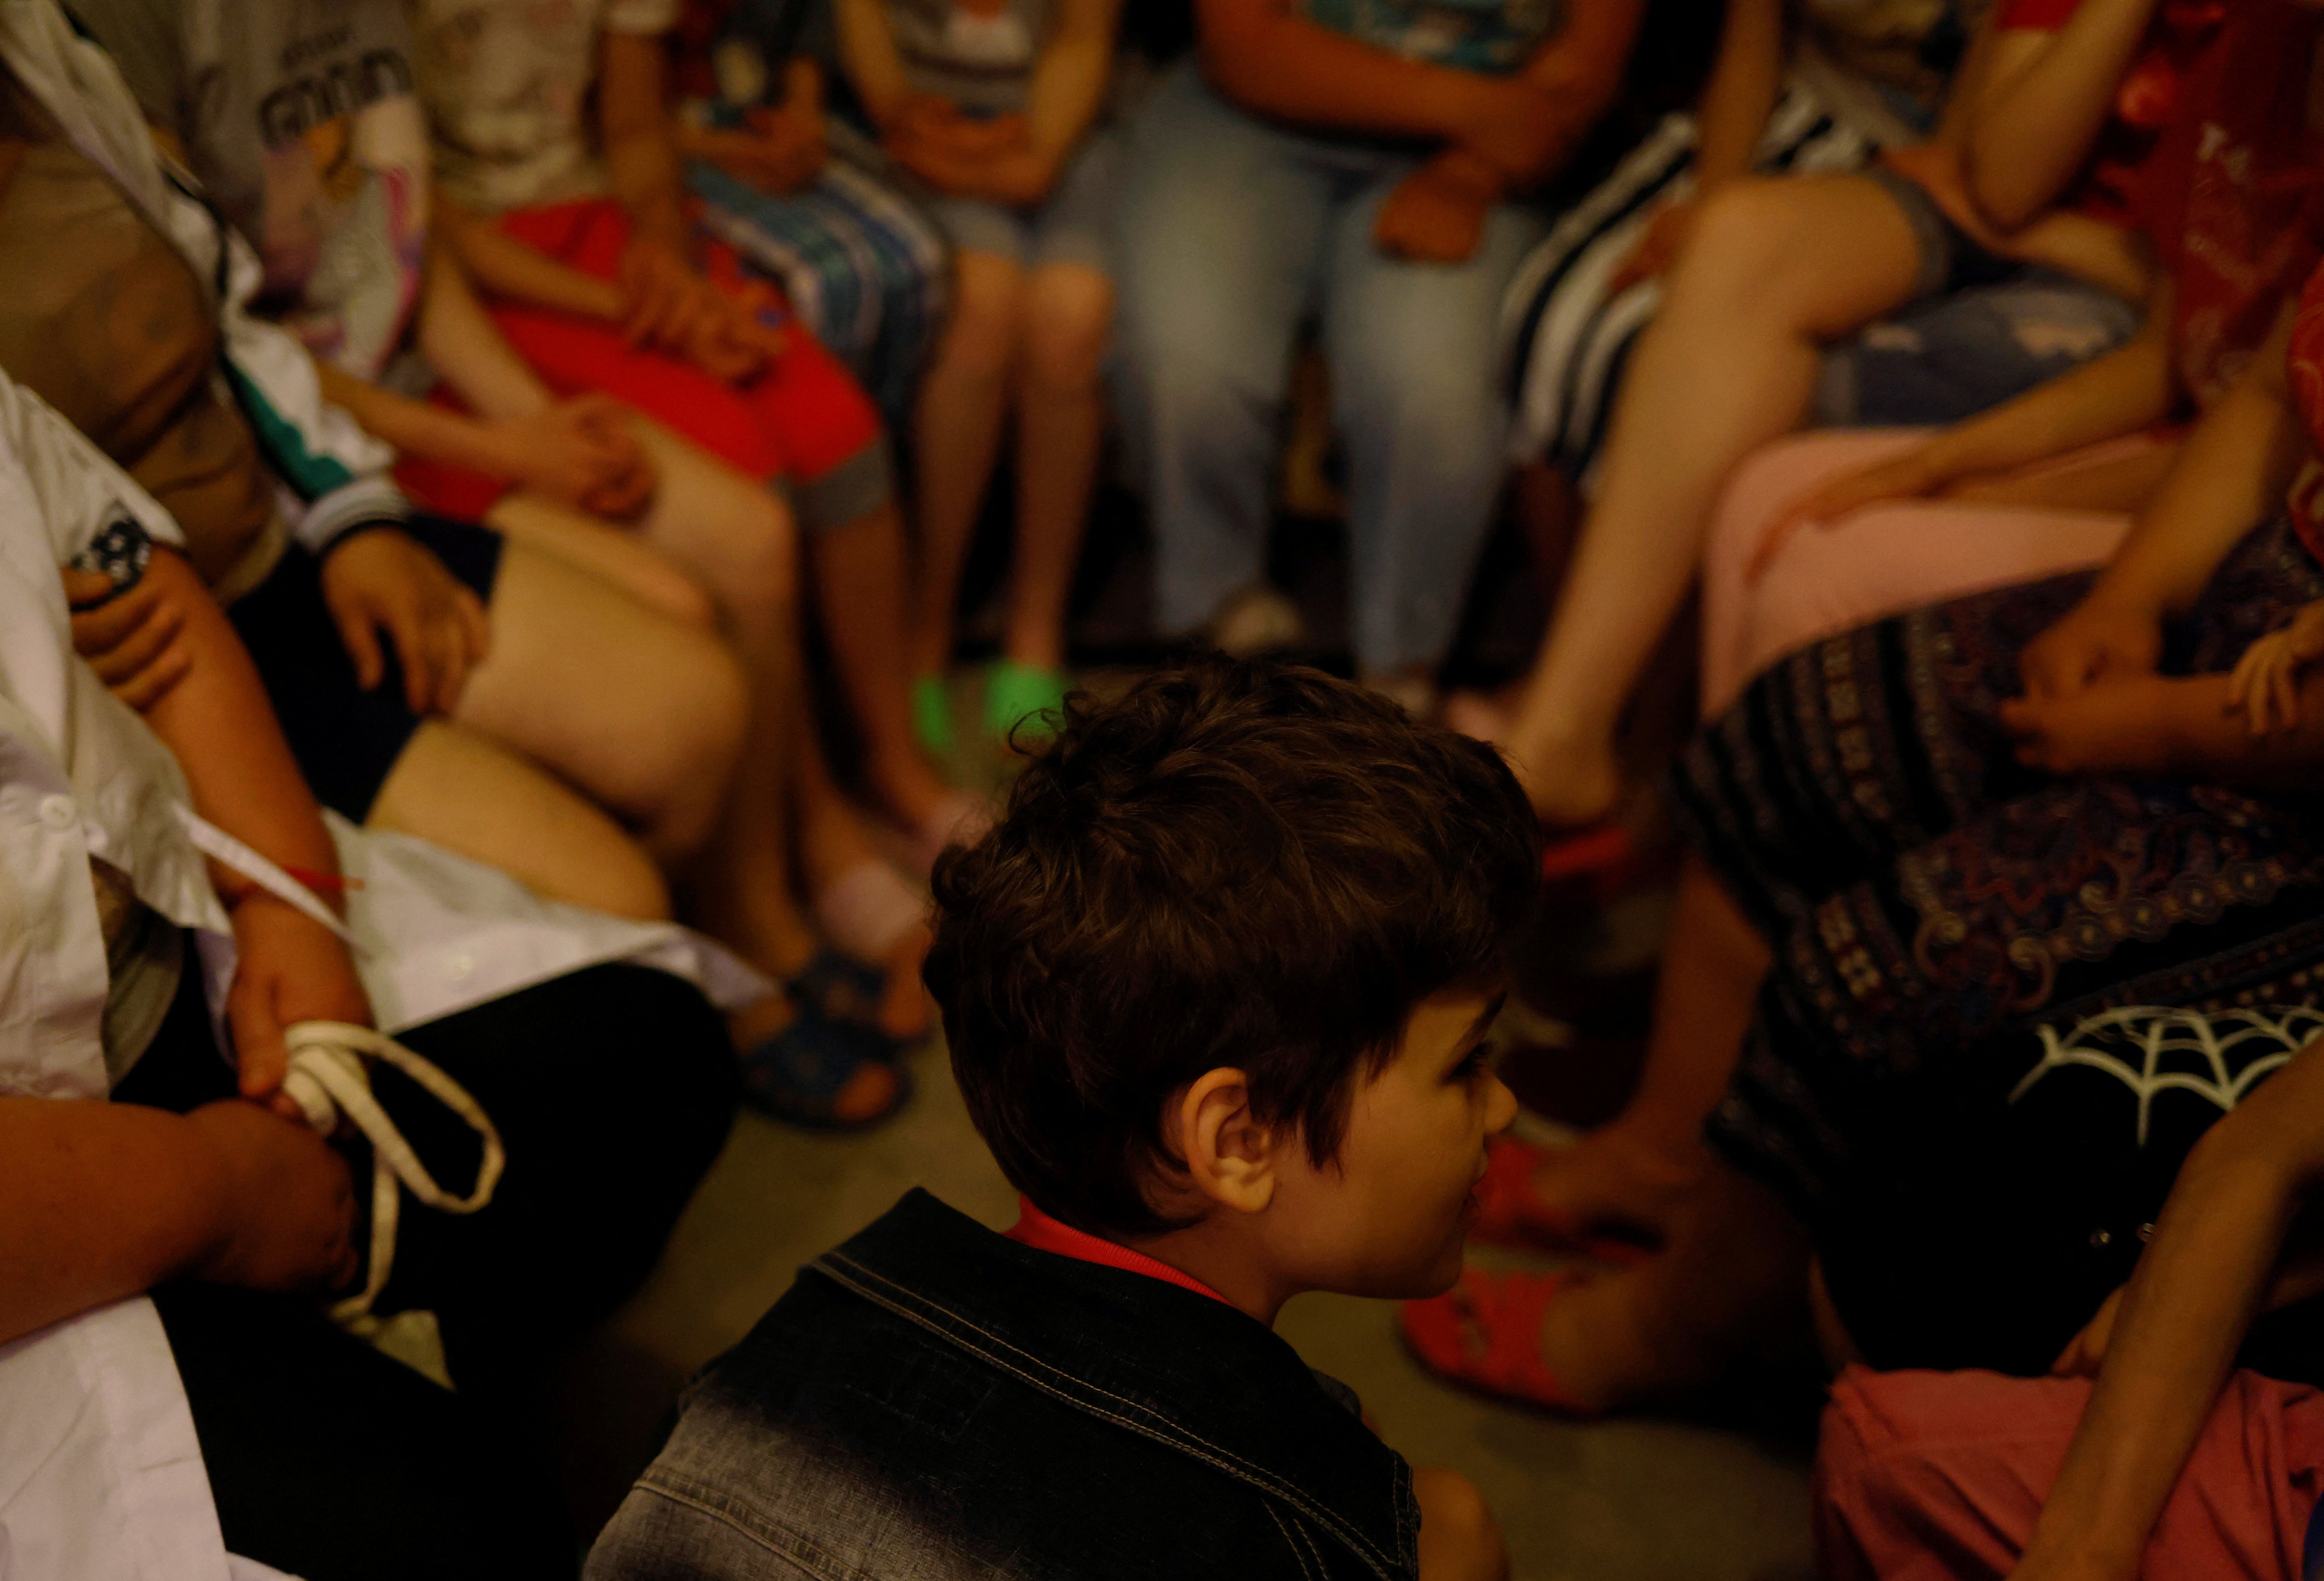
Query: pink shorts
x=1881 y=561
x=1939 y=1476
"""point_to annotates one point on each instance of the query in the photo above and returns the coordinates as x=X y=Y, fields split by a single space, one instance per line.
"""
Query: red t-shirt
x=1037 y=1230
x=2235 y=202
x=2144 y=104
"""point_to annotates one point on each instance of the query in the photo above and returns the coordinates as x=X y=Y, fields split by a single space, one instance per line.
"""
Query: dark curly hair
x=1244 y=864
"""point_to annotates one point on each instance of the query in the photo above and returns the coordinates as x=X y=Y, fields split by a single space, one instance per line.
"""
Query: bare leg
x=473 y=795
x=642 y=714
x=1733 y=1280
x=830 y=841
x=859 y=579
x=1639 y=1168
x=963 y=399
x=1068 y=312
x=1550 y=511
x=1773 y=269
x=1460 y=1540
x=611 y=553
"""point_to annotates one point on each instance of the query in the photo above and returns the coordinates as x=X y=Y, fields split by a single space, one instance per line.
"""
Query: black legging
x=612 y=1088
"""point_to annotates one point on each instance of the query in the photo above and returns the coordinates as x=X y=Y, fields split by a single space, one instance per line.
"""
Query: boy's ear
x=1230 y=1155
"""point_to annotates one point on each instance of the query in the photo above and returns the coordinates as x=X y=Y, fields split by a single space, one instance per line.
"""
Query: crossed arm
x=100 y=1200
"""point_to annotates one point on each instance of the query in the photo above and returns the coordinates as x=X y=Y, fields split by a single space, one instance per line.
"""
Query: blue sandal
x=797 y=1075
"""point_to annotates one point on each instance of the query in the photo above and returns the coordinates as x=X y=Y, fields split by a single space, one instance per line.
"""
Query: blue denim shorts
x=1074 y=226
x=1983 y=328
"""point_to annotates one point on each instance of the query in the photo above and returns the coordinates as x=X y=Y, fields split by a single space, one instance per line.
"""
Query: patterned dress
x=2003 y=1004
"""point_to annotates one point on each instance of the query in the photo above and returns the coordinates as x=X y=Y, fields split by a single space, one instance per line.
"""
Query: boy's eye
x=1478 y=1060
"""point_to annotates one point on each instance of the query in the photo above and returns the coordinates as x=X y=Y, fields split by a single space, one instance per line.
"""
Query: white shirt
x=100 y=1475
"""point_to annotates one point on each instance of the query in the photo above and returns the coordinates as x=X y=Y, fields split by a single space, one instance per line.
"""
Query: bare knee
x=1460 y=1540
x=1744 y=236
x=702 y=730
x=980 y=337
x=1068 y=319
x=750 y=552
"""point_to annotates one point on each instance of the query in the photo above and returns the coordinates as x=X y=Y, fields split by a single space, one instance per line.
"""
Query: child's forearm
x=2129 y=389
x=1069 y=80
x=1580 y=71
x=641 y=154
x=98 y=1201
x=415 y=427
x=220 y=726
x=466 y=348
x=2034 y=128
x=1736 y=102
x=2231 y=473
x=505 y=267
x=868 y=54
x=2184 y=1315
x=2204 y=738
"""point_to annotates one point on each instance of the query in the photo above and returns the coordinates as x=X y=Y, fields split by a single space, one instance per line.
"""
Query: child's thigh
x=1076 y=225
x=462 y=790
x=727 y=530
x=614 y=553
x=632 y=706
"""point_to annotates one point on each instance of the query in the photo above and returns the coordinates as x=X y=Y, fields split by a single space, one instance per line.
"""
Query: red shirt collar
x=1036 y=1229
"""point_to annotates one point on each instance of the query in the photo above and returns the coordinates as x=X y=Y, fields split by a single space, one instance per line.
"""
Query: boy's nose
x=1501 y=1107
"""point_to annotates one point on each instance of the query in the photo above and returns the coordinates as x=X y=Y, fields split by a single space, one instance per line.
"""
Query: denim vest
x=933 y=1401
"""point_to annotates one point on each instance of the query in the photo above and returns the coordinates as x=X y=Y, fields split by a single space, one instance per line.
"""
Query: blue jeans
x=1231 y=232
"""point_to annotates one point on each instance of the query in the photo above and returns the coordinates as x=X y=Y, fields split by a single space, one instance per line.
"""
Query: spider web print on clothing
x=2155 y=1048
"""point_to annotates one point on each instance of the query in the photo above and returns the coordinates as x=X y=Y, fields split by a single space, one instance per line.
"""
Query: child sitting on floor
x=1215 y=989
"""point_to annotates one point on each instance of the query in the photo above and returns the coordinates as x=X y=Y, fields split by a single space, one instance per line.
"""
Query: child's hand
x=2097 y=639
x=287 y=1217
x=2266 y=683
x=1437 y=214
x=131 y=639
x=2086 y=1350
x=940 y=126
x=383 y=579
x=1907 y=477
x=2117 y=727
x=288 y=968
x=731 y=342
x=1516 y=128
x=663 y=299
x=1665 y=235
x=785 y=148
x=580 y=452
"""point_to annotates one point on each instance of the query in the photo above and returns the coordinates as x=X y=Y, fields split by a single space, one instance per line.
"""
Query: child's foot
x=932 y=716
x=1413 y=691
x=1023 y=702
x=863 y=908
x=1573 y=783
x=808 y=1071
x=1478 y=714
x=1609 y=1180
x=1257 y=620
x=1566 y=1342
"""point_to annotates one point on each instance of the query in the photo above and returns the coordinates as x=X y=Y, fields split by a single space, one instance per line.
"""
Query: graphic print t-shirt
x=301 y=119
x=1495 y=36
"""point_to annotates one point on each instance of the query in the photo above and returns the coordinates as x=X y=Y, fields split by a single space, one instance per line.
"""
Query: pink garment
x=1939 y=1476
x=1880 y=561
